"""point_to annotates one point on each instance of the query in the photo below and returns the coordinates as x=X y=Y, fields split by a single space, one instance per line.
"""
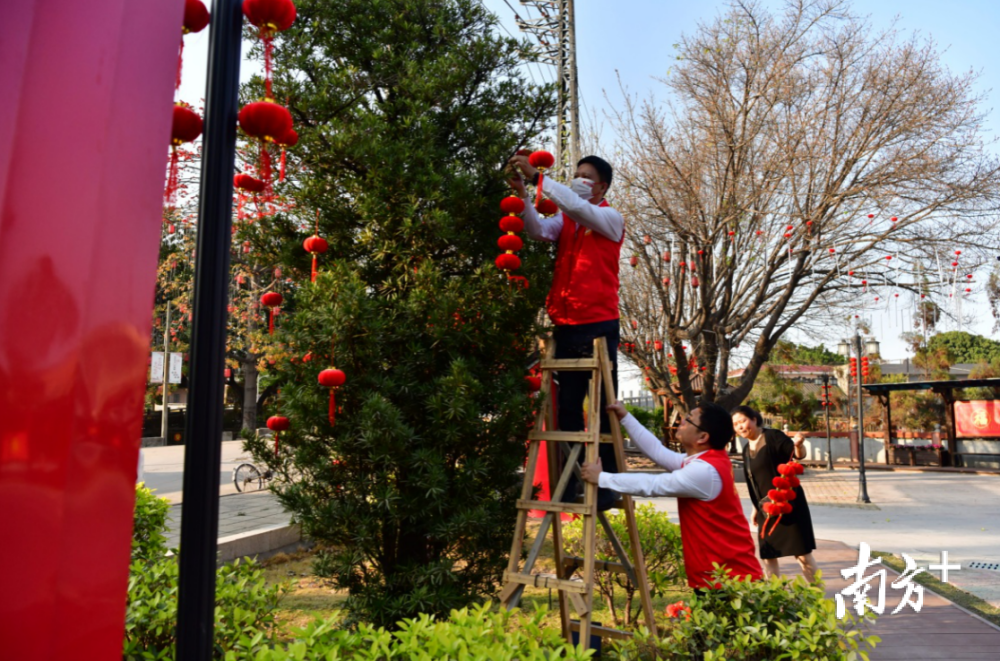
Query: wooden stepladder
x=578 y=593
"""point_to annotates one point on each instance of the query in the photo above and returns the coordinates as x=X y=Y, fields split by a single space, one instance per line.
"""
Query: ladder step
x=603 y=632
x=549 y=506
x=572 y=563
x=545 y=582
x=561 y=436
x=570 y=364
x=567 y=437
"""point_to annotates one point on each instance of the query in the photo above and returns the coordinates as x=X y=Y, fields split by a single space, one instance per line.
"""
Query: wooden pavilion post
x=886 y=399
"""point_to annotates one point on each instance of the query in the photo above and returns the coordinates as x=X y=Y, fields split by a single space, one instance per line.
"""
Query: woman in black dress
x=764 y=451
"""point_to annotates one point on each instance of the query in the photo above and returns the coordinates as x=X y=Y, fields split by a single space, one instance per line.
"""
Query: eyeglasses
x=695 y=424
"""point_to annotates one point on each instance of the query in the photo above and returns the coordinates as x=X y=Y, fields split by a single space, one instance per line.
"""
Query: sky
x=631 y=41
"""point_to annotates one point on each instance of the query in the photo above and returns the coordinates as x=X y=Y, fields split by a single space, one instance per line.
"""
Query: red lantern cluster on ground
x=782 y=495
x=510 y=242
x=271 y=300
x=332 y=378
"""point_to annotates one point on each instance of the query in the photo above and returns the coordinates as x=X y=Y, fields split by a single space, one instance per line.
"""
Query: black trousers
x=578 y=342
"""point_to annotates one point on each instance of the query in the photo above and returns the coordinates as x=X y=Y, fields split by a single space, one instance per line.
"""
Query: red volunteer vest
x=716 y=530
x=585 y=283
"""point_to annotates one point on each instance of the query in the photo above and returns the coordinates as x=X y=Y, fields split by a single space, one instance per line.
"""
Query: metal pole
x=202 y=458
x=862 y=481
x=826 y=396
x=165 y=419
x=574 y=94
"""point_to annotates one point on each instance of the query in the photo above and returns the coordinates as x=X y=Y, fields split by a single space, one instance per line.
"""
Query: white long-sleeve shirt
x=606 y=221
x=687 y=476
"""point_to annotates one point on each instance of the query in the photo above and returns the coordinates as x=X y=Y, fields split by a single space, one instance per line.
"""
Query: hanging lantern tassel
x=290 y=139
x=268 y=122
x=332 y=379
x=271 y=300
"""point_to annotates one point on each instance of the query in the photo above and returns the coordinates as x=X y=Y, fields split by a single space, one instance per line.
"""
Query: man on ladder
x=583 y=300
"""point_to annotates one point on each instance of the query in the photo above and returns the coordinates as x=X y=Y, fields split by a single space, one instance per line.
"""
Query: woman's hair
x=750 y=413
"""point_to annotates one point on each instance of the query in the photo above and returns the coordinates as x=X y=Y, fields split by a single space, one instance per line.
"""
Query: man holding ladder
x=583 y=300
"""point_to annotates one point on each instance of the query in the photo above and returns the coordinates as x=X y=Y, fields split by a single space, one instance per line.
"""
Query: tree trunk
x=250 y=395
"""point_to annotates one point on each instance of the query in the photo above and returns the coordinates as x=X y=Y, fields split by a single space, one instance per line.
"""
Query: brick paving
x=240 y=512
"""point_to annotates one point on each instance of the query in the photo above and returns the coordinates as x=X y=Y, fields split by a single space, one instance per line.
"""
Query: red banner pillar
x=84 y=135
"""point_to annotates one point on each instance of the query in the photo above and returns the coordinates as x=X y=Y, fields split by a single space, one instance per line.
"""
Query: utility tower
x=555 y=31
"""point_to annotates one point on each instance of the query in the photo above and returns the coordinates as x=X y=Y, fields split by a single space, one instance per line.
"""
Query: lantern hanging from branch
x=332 y=378
x=271 y=300
x=186 y=127
x=268 y=122
x=270 y=17
x=278 y=424
x=196 y=17
x=315 y=245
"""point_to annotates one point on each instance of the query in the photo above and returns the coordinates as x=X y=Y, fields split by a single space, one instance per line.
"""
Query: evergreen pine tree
x=407 y=111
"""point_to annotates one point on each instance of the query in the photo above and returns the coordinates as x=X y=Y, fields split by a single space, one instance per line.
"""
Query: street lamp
x=844 y=350
x=824 y=382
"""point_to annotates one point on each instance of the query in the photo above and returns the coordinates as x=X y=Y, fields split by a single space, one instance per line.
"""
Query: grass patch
x=964 y=599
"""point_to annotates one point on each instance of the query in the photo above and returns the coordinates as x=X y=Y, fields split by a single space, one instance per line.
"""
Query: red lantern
x=547 y=207
x=270 y=16
x=666 y=256
x=511 y=224
x=541 y=159
x=647 y=239
x=534 y=383
x=196 y=16
x=315 y=245
x=332 y=379
x=508 y=262
x=271 y=300
x=512 y=205
x=658 y=345
x=510 y=242
x=894 y=219
x=694 y=281
x=266 y=121
x=633 y=260
x=247 y=183
x=186 y=127
x=278 y=424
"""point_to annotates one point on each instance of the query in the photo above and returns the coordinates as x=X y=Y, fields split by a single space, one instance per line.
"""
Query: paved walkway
x=238 y=513
x=940 y=630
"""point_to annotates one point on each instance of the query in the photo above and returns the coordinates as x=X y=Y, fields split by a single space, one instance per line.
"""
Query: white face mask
x=582 y=187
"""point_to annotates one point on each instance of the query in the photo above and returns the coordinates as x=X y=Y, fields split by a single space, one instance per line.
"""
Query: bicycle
x=246 y=475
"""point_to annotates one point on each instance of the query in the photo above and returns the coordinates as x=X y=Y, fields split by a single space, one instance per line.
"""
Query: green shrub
x=244 y=605
x=469 y=634
x=150 y=524
x=661 y=545
x=766 y=620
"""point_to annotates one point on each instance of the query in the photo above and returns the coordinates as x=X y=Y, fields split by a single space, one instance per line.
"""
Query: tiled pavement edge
x=238 y=513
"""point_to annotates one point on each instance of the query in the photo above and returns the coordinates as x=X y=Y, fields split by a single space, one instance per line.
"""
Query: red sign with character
x=978 y=418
